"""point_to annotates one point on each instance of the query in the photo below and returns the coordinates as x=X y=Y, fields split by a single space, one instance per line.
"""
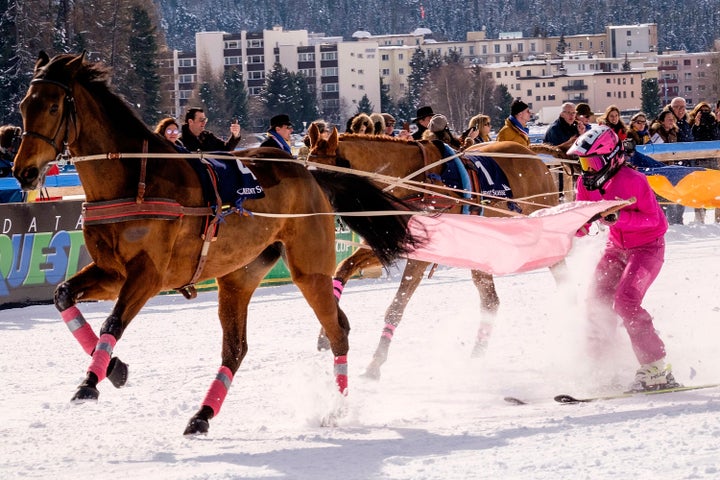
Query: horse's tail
x=387 y=235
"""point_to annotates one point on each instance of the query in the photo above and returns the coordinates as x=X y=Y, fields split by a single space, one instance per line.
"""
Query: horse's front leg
x=141 y=284
x=360 y=259
x=489 y=304
x=411 y=278
x=90 y=283
x=234 y=293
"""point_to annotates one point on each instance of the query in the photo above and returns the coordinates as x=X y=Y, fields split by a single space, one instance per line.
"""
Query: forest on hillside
x=682 y=24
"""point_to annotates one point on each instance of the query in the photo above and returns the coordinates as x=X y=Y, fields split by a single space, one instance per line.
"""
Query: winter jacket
x=511 y=133
x=207 y=141
x=560 y=132
x=638 y=223
x=641 y=137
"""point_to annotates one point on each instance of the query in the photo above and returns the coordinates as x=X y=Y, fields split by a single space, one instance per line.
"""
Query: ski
x=569 y=399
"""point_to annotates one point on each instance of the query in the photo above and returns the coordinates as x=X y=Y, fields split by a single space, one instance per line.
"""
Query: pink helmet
x=601 y=155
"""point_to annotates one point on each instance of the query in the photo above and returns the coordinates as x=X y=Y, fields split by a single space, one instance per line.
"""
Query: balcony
x=575 y=87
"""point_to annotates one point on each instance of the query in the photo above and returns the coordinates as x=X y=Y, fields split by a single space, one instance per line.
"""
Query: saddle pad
x=235 y=182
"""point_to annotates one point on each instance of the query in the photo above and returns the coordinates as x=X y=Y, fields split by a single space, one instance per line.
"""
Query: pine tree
x=236 y=97
x=364 y=105
x=143 y=50
x=650 y=92
x=11 y=77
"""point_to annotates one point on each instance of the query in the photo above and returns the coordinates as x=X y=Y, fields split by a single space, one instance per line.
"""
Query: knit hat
x=584 y=110
x=518 y=106
x=438 y=123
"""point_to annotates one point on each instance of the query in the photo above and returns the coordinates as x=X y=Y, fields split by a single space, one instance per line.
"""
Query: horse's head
x=321 y=150
x=48 y=112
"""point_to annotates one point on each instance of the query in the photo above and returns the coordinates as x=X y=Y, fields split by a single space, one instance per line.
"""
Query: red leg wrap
x=81 y=330
x=218 y=389
x=341 y=377
x=338 y=288
x=101 y=356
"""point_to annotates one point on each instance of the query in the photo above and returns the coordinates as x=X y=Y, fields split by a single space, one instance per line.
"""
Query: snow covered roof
x=361 y=34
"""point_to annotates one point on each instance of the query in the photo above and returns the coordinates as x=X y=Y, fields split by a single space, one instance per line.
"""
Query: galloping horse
x=145 y=219
x=528 y=177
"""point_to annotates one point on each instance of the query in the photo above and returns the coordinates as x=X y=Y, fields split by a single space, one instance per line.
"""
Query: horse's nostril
x=29 y=174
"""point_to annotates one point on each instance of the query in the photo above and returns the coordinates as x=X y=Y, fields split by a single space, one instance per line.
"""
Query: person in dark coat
x=279 y=134
x=563 y=132
x=195 y=137
x=422 y=119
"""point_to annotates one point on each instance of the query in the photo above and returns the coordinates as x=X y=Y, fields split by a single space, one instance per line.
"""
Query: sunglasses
x=595 y=163
x=172 y=131
x=640 y=121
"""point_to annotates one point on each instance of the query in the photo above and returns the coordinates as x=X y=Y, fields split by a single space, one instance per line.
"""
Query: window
x=529 y=92
x=329 y=72
x=255 y=90
x=185 y=94
x=508 y=48
x=484 y=49
x=186 y=78
x=401 y=71
x=256 y=59
x=232 y=60
x=629 y=43
x=308 y=72
x=186 y=62
x=497 y=48
x=255 y=43
x=385 y=72
x=520 y=47
x=537 y=84
x=401 y=56
x=257 y=75
x=329 y=87
x=331 y=55
x=306 y=57
x=498 y=75
x=385 y=57
x=551 y=97
x=532 y=47
x=551 y=84
x=231 y=44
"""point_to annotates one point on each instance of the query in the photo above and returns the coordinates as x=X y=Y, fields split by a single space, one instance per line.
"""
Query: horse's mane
x=355 y=137
x=95 y=77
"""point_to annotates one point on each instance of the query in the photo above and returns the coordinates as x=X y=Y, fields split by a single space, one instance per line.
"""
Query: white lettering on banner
x=57 y=222
x=7 y=225
x=32 y=228
x=79 y=223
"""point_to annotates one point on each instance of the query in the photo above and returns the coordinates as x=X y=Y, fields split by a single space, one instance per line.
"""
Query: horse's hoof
x=197 y=426
x=323 y=344
x=371 y=373
x=85 y=393
x=117 y=372
x=479 y=350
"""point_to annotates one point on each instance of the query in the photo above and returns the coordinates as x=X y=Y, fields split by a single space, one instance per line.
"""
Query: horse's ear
x=75 y=64
x=333 y=141
x=42 y=60
x=314 y=134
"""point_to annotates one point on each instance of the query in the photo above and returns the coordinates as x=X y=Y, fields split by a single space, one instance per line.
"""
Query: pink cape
x=502 y=246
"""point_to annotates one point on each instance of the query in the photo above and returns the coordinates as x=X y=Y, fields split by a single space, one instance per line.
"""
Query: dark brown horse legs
x=489 y=303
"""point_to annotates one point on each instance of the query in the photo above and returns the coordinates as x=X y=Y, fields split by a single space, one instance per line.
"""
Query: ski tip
x=567 y=399
x=515 y=401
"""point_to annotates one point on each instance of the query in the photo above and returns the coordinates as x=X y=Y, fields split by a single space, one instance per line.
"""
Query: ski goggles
x=594 y=163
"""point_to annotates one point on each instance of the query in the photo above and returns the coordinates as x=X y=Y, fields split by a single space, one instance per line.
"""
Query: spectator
x=515 y=128
x=704 y=129
x=422 y=119
x=678 y=108
x=362 y=124
x=195 y=137
x=638 y=130
x=438 y=130
x=279 y=134
x=564 y=130
x=664 y=130
x=378 y=124
x=389 y=124
x=478 y=130
x=169 y=130
x=612 y=119
x=631 y=260
x=584 y=114
x=10 y=137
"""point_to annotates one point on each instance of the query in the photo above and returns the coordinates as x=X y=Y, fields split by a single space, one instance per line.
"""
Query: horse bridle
x=68 y=115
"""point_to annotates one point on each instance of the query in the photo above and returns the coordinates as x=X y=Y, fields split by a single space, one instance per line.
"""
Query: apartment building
x=342 y=72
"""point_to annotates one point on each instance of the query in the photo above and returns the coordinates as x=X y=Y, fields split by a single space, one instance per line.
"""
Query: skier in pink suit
x=633 y=256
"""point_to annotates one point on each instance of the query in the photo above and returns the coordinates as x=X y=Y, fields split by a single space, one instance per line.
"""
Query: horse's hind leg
x=89 y=283
x=361 y=258
x=489 y=303
x=234 y=293
x=411 y=278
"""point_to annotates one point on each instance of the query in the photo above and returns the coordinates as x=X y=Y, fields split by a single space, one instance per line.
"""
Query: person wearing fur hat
x=361 y=124
x=515 y=128
x=279 y=134
x=422 y=119
x=378 y=124
x=438 y=130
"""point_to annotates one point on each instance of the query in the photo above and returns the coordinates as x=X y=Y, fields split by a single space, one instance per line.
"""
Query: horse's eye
x=54 y=108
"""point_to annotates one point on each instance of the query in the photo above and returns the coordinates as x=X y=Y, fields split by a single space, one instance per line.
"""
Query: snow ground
x=435 y=413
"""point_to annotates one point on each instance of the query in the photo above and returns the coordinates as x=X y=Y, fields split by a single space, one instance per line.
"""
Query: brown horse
x=145 y=219
x=529 y=179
